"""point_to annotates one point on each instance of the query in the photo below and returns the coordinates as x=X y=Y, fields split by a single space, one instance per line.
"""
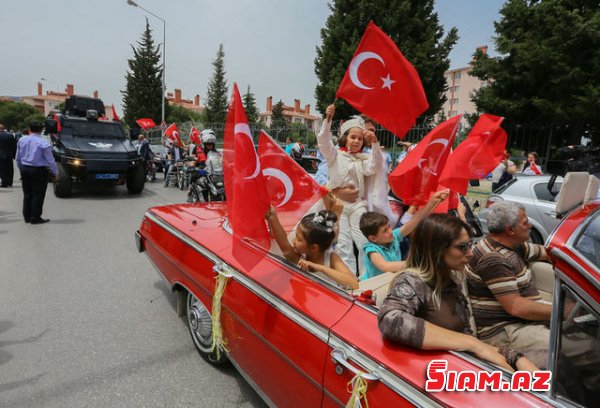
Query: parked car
x=297 y=339
x=575 y=251
x=539 y=202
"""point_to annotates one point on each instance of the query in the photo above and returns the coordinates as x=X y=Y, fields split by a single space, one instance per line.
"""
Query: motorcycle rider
x=297 y=151
x=214 y=159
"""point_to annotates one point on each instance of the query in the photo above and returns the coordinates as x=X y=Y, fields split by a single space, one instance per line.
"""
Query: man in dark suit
x=8 y=149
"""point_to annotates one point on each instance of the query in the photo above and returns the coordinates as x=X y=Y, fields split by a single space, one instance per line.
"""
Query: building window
x=298 y=120
x=456 y=88
x=456 y=76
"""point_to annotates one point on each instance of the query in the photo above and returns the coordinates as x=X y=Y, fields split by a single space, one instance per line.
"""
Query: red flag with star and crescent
x=245 y=185
x=194 y=136
x=146 y=123
x=172 y=132
x=382 y=84
x=477 y=156
x=291 y=189
x=416 y=177
x=114 y=112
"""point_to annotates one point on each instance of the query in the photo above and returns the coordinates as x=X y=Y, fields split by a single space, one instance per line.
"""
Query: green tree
x=547 y=69
x=179 y=114
x=17 y=115
x=278 y=121
x=216 y=96
x=250 y=106
x=142 y=94
x=413 y=26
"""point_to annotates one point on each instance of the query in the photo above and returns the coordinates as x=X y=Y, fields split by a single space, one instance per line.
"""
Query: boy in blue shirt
x=382 y=252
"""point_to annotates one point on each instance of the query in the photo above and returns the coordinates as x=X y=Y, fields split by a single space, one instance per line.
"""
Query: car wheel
x=536 y=237
x=135 y=180
x=63 y=183
x=200 y=325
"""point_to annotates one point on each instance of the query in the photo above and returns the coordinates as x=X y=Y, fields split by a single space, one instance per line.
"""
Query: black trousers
x=6 y=172
x=35 y=182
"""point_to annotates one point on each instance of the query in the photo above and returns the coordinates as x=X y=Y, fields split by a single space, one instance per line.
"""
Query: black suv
x=89 y=149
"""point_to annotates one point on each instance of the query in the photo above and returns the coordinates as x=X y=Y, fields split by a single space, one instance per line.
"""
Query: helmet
x=297 y=151
x=208 y=136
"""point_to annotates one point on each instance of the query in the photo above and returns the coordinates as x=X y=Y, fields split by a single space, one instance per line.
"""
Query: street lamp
x=164 y=87
x=52 y=82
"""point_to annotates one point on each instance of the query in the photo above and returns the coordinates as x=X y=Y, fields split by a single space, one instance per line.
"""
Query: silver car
x=532 y=192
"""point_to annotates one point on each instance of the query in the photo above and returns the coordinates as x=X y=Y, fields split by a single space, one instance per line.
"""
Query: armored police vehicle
x=90 y=149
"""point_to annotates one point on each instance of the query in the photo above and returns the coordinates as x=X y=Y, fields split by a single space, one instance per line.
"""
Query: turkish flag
x=194 y=136
x=146 y=123
x=114 y=112
x=416 y=177
x=451 y=203
x=291 y=189
x=382 y=84
x=536 y=170
x=247 y=197
x=173 y=133
x=477 y=155
x=58 y=125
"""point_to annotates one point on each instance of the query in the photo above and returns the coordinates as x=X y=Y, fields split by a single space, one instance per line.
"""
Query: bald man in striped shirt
x=507 y=306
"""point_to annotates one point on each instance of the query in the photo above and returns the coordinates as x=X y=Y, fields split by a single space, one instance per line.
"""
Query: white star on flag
x=387 y=82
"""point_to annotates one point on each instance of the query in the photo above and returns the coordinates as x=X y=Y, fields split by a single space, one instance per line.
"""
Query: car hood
x=98 y=145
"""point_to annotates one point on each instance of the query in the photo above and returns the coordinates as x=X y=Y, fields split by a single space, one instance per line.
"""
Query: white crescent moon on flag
x=245 y=129
x=285 y=180
x=441 y=141
x=355 y=65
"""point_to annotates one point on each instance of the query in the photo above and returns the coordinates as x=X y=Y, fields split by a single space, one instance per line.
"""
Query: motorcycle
x=205 y=187
x=151 y=169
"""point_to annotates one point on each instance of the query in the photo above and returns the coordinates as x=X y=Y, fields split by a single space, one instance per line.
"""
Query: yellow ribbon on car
x=219 y=343
x=357 y=387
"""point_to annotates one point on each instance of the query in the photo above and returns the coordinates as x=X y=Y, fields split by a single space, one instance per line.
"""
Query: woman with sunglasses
x=426 y=306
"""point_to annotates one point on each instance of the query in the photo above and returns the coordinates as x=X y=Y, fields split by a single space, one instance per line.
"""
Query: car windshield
x=105 y=130
x=588 y=243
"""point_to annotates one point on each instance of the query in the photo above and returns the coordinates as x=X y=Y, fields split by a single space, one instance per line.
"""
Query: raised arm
x=281 y=237
x=435 y=199
x=324 y=142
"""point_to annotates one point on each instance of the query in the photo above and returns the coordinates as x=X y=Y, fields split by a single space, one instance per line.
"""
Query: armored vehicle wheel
x=63 y=183
x=200 y=325
x=135 y=180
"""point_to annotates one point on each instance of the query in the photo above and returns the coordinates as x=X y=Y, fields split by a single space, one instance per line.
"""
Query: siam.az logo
x=439 y=378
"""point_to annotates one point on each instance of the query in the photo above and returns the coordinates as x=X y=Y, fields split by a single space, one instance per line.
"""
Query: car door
x=575 y=325
x=395 y=374
x=276 y=319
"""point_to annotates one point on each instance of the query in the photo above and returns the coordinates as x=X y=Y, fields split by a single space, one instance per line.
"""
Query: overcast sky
x=269 y=44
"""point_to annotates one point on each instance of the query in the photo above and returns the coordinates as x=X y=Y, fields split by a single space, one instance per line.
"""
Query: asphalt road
x=85 y=320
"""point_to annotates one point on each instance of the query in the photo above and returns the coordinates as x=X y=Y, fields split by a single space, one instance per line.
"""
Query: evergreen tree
x=413 y=26
x=278 y=122
x=216 y=96
x=250 y=106
x=143 y=91
x=547 y=71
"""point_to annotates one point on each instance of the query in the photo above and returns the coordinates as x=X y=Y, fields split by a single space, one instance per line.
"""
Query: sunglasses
x=464 y=246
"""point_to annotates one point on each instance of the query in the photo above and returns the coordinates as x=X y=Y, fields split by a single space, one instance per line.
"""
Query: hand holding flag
x=416 y=177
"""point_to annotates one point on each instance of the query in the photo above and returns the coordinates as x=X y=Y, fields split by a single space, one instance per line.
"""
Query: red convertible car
x=300 y=341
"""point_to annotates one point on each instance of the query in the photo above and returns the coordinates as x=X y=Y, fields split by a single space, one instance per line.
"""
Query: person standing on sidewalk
x=8 y=147
x=34 y=157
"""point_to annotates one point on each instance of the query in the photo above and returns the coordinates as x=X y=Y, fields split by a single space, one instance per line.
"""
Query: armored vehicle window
x=94 y=129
